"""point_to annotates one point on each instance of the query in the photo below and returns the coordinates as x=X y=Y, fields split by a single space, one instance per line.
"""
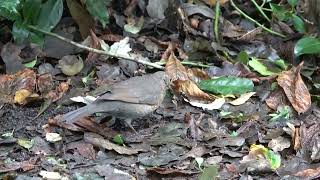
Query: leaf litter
x=217 y=121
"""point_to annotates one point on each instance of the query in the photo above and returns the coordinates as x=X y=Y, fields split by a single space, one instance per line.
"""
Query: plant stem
x=129 y=58
x=216 y=22
x=260 y=10
x=256 y=22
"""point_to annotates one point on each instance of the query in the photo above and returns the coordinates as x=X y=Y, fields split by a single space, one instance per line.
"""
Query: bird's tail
x=73 y=116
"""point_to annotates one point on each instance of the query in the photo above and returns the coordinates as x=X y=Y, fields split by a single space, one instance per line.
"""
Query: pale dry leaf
x=295 y=89
x=242 y=99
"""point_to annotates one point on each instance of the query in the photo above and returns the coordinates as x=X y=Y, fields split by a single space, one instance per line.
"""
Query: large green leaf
x=280 y=12
x=259 y=67
x=227 y=85
x=50 y=14
x=30 y=11
x=9 y=9
x=98 y=9
x=22 y=34
x=298 y=23
x=307 y=45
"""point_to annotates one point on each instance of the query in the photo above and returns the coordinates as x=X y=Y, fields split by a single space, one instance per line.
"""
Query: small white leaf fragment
x=242 y=99
x=50 y=175
x=53 y=137
x=216 y=104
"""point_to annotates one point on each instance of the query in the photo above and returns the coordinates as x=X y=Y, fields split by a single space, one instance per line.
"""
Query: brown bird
x=129 y=99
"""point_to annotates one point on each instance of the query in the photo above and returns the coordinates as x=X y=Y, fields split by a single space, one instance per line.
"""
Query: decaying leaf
x=295 y=89
x=23 y=96
x=175 y=69
x=190 y=90
x=242 y=99
x=277 y=98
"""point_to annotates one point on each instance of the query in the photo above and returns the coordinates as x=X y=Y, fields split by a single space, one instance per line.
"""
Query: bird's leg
x=128 y=123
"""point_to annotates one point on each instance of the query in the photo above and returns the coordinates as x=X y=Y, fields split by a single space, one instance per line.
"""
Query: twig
x=96 y=50
x=216 y=22
x=260 y=10
x=256 y=22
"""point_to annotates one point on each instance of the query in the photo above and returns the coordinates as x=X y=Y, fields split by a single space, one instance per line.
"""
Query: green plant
x=43 y=15
x=288 y=13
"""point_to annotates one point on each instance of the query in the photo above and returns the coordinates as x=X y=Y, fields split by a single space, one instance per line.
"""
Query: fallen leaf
x=81 y=16
x=295 y=89
x=99 y=141
x=310 y=173
x=242 y=99
x=175 y=69
x=190 y=90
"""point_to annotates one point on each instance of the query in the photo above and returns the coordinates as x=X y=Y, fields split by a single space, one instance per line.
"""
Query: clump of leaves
x=288 y=14
x=283 y=112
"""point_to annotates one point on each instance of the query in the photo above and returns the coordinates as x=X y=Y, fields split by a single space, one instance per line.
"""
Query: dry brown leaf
x=45 y=83
x=190 y=90
x=175 y=69
x=295 y=89
x=309 y=173
x=197 y=74
x=277 y=98
x=58 y=92
x=214 y=2
x=81 y=16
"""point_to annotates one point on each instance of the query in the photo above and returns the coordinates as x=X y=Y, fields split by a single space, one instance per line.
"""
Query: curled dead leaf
x=175 y=69
x=295 y=89
x=190 y=90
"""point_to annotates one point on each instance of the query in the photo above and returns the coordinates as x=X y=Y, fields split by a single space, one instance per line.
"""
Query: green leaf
x=243 y=57
x=209 y=173
x=273 y=158
x=31 y=64
x=307 y=45
x=259 y=67
x=281 y=63
x=298 y=23
x=293 y=3
x=30 y=11
x=22 y=34
x=50 y=14
x=118 y=139
x=25 y=143
x=280 y=12
x=98 y=9
x=9 y=9
x=227 y=85
x=19 y=32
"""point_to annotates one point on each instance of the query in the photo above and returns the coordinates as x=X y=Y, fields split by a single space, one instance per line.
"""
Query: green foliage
x=9 y=9
x=50 y=14
x=307 y=45
x=286 y=14
x=283 y=112
x=227 y=85
x=24 y=13
x=98 y=9
x=259 y=67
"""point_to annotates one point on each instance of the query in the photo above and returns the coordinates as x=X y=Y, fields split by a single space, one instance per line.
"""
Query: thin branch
x=97 y=50
x=260 y=10
x=256 y=22
x=216 y=22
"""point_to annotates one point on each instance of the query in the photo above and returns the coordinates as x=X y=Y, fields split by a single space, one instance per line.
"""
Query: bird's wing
x=141 y=90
